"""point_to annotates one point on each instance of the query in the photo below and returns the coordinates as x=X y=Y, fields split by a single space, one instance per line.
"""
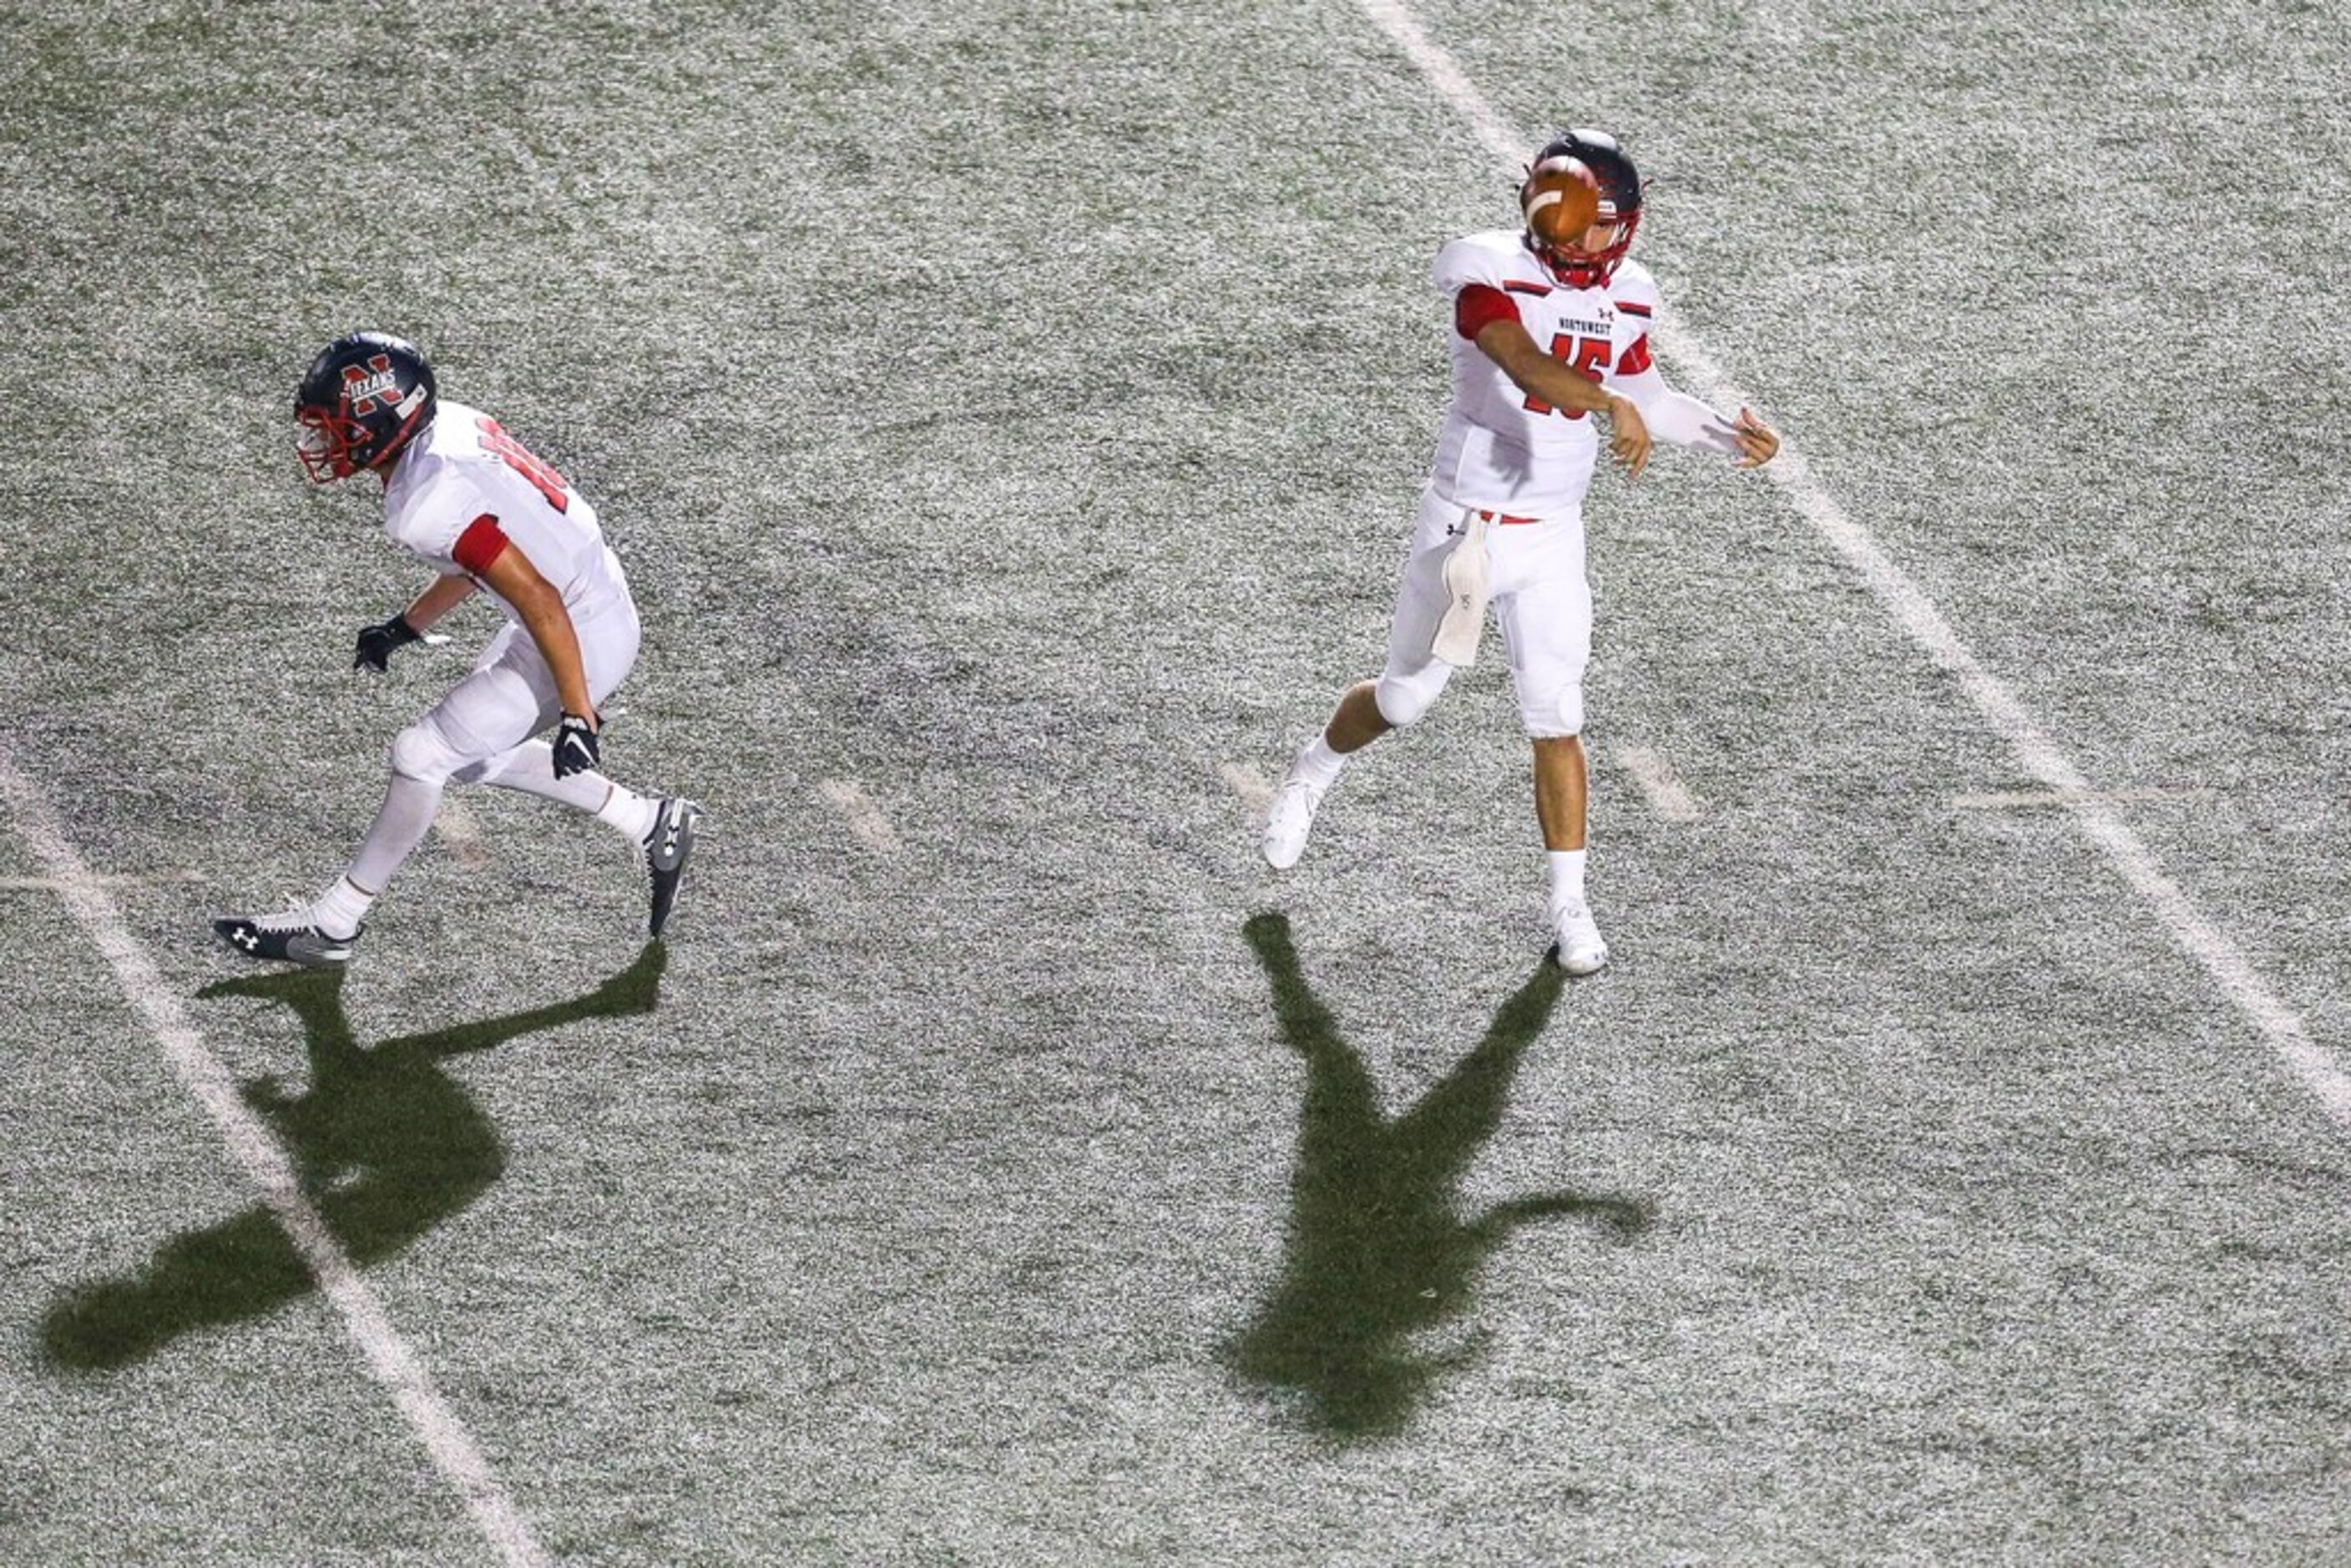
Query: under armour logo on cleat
x=247 y=940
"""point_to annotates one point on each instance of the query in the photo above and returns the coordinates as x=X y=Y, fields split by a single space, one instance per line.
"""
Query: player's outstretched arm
x=1681 y=420
x=445 y=594
x=377 y=643
x=1509 y=345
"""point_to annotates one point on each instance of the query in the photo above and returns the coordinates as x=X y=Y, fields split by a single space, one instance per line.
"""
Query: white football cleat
x=1289 y=819
x=1580 y=950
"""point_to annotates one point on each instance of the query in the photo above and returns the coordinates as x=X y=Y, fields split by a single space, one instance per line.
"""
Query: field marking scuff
x=462 y=832
x=1667 y=796
x=2318 y=1069
x=863 y=818
x=1246 y=781
x=387 y=1355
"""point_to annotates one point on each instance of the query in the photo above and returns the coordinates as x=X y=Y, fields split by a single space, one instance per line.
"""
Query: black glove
x=575 y=747
x=376 y=644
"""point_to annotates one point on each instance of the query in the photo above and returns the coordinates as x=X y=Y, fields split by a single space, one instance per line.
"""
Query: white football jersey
x=464 y=485
x=1501 y=448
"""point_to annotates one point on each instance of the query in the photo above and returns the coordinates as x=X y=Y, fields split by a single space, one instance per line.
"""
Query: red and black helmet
x=1619 y=187
x=360 y=401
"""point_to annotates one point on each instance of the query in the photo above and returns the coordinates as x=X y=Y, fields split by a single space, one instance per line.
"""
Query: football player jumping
x=1550 y=328
x=462 y=495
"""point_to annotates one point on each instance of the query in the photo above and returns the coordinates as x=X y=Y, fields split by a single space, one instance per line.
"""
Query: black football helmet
x=362 y=399
x=1568 y=260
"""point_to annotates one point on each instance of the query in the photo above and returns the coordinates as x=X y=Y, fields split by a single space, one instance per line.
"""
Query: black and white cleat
x=287 y=939
x=668 y=849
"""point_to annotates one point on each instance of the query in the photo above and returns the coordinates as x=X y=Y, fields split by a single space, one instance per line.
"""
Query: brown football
x=1562 y=200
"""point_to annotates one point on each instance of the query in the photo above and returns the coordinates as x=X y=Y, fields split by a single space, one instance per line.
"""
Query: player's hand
x=377 y=642
x=575 y=746
x=1628 y=435
x=1758 y=444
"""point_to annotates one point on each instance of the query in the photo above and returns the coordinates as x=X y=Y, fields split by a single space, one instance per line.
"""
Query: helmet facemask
x=327 y=444
x=1589 y=259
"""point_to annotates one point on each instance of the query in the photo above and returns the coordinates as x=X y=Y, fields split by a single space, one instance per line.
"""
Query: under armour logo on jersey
x=365 y=387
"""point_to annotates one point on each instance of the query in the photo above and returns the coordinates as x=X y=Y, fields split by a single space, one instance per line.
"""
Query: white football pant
x=1538 y=596
x=481 y=734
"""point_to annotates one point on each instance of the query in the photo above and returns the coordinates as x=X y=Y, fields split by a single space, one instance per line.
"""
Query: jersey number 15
x=1587 y=356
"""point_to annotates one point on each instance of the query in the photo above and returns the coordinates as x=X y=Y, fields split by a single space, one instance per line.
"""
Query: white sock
x=338 y=911
x=633 y=813
x=1317 y=763
x=1566 y=877
x=400 y=825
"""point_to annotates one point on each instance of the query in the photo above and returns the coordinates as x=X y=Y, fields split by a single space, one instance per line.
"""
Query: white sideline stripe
x=1251 y=786
x=123 y=879
x=455 y=824
x=387 y=1355
x=1669 y=798
x=2318 y=1069
x=1437 y=63
x=857 y=808
x=2028 y=800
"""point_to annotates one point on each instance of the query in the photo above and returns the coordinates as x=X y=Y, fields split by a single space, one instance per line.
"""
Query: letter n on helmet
x=361 y=400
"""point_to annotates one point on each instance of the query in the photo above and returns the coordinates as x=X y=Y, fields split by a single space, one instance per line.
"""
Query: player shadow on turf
x=385 y=1144
x=1378 y=1249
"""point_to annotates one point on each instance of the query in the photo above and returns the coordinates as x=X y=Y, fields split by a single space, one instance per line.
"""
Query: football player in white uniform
x=1551 y=330
x=468 y=500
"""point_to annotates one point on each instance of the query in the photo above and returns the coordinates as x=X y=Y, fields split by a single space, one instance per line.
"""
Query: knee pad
x=1556 y=713
x=423 y=753
x=1403 y=699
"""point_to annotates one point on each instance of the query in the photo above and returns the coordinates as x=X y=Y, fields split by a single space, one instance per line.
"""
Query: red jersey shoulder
x=1633 y=304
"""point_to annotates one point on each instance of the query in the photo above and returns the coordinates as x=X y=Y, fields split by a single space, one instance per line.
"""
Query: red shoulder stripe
x=482 y=542
x=1630 y=309
x=1538 y=289
x=1477 y=307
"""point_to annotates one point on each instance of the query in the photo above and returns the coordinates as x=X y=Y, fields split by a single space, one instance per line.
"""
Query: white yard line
x=2319 y=1069
x=387 y=1355
x=1668 y=797
x=458 y=828
x=2042 y=799
x=1255 y=791
x=857 y=808
x=125 y=879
